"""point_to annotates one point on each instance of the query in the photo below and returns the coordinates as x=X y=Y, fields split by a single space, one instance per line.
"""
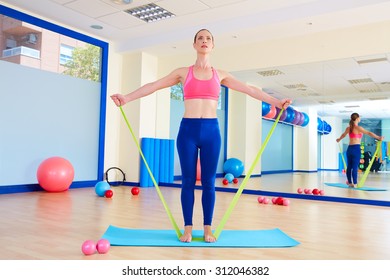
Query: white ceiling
x=324 y=85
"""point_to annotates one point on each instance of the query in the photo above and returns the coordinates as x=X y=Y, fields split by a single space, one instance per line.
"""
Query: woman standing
x=199 y=128
x=355 y=133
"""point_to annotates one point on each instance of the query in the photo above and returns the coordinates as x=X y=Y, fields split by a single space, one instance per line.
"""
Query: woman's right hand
x=119 y=99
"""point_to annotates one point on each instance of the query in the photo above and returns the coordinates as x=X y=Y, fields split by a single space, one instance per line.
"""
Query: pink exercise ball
x=272 y=112
x=55 y=174
x=88 y=247
x=102 y=246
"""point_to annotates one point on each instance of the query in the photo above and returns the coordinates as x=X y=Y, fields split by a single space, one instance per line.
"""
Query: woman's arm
x=371 y=134
x=171 y=79
x=231 y=82
x=343 y=135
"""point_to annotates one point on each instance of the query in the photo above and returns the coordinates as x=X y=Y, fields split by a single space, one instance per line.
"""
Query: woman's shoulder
x=181 y=71
x=222 y=73
x=361 y=129
x=358 y=129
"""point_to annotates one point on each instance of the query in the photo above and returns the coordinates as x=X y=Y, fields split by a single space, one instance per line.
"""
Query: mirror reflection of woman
x=355 y=133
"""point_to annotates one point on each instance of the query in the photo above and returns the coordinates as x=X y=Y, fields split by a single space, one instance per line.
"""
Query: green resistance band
x=364 y=177
x=178 y=232
x=219 y=228
x=342 y=156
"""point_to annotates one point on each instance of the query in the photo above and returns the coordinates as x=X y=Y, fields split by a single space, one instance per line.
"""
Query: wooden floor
x=290 y=182
x=52 y=226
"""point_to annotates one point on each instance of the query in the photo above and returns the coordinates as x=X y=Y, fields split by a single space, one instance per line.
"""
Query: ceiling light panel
x=150 y=13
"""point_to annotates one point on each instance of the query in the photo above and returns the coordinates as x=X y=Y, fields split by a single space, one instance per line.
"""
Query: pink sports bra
x=355 y=135
x=201 y=89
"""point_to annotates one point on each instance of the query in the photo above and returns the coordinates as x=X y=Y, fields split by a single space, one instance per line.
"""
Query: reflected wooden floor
x=290 y=182
x=52 y=226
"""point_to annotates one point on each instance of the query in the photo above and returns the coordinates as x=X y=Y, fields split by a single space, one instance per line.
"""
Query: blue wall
x=278 y=155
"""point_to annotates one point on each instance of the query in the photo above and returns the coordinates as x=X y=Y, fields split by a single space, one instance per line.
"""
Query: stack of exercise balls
x=103 y=189
x=323 y=127
x=233 y=168
x=289 y=115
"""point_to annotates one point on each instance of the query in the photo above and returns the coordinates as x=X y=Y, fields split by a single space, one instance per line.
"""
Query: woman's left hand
x=285 y=103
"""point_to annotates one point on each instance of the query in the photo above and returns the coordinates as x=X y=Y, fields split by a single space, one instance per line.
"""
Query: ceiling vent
x=329 y=102
x=370 y=90
x=299 y=86
x=270 y=73
x=150 y=13
x=360 y=81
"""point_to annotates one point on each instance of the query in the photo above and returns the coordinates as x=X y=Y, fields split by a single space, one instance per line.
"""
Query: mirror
x=334 y=89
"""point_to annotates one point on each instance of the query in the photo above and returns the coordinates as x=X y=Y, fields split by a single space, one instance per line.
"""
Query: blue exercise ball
x=305 y=120
x=266 y=108
x=101 y=188
x=229 y=177
x=233 y=166
x=327 y=128
x=320 y=124
x=290 y=115
x=324 y=126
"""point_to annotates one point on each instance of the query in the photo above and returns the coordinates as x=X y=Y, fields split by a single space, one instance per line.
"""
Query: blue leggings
x=198 y=136
x=353 y=160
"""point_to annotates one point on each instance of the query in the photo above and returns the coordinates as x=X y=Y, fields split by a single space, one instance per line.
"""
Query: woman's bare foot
x=208 y=235
x=187 y=235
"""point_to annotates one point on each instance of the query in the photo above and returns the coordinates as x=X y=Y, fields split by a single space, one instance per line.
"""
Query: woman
x=355 y=133
x=199 y=129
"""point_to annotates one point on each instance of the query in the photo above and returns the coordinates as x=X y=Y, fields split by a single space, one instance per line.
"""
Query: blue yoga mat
x=228 y=238
x=345 y=186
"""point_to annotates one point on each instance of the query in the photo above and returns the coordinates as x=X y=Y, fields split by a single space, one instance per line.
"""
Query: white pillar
x=138 y=69
x=244 y=130
x=305 y=143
